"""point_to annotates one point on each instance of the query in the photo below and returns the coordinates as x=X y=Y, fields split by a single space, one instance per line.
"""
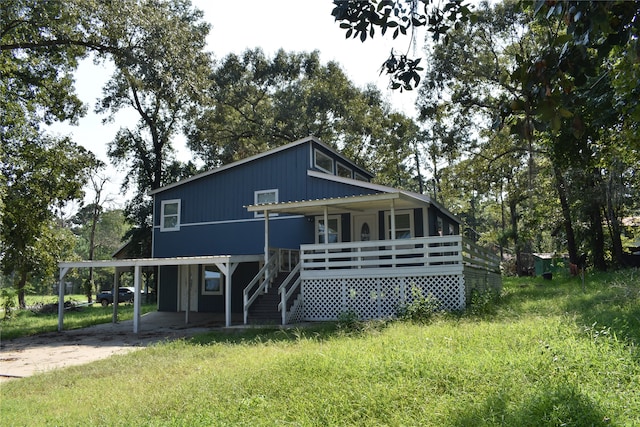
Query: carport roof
x=152 y=262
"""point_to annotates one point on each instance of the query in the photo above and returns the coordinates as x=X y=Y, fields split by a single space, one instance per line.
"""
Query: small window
x=324 y=162
x=265 y=197
x=212 y=280
x=170 y=215
x=343 y=171
x=360 y=177
x=333 y=231
x=440 y=227
x=404 y=225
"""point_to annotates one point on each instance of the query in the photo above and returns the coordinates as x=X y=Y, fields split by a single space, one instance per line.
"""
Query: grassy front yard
x=546 y=355
x=33 y=321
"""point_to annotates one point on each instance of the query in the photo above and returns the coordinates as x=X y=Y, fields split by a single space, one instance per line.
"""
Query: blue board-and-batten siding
x=214 y=220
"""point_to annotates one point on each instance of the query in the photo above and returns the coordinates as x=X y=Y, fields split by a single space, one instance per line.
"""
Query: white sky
x=293 y=25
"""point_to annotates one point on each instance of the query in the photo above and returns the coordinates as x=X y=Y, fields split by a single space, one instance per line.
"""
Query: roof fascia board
x=334 y=202
x=238 y=163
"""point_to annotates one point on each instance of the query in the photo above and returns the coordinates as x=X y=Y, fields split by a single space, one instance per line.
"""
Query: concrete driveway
x=22 y=357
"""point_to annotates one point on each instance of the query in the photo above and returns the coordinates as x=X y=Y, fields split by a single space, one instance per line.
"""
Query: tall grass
x=547 y=355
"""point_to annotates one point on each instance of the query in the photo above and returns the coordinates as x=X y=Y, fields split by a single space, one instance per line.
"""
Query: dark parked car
x=124 y=295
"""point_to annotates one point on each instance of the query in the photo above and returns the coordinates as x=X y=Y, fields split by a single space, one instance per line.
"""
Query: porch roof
x=380 y=201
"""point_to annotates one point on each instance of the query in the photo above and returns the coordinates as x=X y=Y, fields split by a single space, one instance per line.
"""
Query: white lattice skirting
x=374 y=298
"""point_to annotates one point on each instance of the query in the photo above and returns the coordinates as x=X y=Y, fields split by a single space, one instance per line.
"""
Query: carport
x=226 y=263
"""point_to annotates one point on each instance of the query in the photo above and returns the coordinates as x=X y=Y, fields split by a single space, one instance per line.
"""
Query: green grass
x=546 y=355
x=30 y=322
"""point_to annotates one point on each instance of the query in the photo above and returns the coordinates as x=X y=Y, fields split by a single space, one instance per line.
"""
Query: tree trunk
x=614 y=226
x=520 y=271
x=566 y=214
x=20 y=286
x=597 y=238
x=595 y=216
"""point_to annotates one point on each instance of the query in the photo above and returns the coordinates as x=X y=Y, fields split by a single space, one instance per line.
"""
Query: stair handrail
x=269 y=272
x=286 y=293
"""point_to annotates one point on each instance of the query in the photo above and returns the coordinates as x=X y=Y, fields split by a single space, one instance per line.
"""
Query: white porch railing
x=478 y=257
x=439 y=254
x=269 y=271
x=287 y=289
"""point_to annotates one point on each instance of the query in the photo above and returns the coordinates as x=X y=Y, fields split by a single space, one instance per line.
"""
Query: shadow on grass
x=608 y=301
x=549 y=405
x=312 y=331
x=611 y=304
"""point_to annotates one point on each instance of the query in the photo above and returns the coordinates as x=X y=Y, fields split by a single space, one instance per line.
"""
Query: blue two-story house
x=300 y=233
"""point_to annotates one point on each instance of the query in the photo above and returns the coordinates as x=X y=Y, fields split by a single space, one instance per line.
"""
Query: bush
x=421 y=309
x=349 y=320
x=483 y=302
x=8 y=296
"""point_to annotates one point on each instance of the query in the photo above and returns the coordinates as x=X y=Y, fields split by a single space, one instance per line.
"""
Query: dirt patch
x=22 y=357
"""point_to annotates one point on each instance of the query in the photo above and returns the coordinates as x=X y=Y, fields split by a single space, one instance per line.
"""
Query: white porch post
x=326 y=235
x=266 y=241
x=392 y=220
x=136 y=298
x=63 y=272
x=392 y=224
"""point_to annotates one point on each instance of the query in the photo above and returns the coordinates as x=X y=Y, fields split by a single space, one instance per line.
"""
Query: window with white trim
x=265 y=197
x=170 y=215
x=334 y=230
x=359 y=177
x=212 y=280
x=323 y=162
x=404 y=225
x=343 y=171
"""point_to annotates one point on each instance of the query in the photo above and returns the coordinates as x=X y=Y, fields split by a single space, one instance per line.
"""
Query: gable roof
x=256 y=157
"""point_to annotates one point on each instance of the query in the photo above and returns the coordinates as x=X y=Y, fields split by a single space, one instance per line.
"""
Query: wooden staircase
x=265 y=308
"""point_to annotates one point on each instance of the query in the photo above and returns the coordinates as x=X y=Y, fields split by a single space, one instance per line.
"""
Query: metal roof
x=380 y=201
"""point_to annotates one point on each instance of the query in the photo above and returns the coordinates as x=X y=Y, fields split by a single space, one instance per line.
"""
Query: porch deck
x=373 y=278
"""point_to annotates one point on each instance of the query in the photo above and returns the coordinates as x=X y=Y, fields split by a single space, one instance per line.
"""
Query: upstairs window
x=265 y=197
x=323 y=162
x=170 y=215
x=360 y=177
x=343 y=171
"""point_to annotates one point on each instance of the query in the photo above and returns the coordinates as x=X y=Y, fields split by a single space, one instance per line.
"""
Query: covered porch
x=374 y=271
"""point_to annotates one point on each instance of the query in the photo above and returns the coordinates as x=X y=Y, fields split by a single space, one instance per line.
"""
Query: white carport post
x=227 y=269
x=63 y=272
x=136 y=298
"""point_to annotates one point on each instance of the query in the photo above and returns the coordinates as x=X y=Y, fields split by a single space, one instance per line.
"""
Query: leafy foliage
x=420 y=309
x=255 y=103
x=41 y=173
